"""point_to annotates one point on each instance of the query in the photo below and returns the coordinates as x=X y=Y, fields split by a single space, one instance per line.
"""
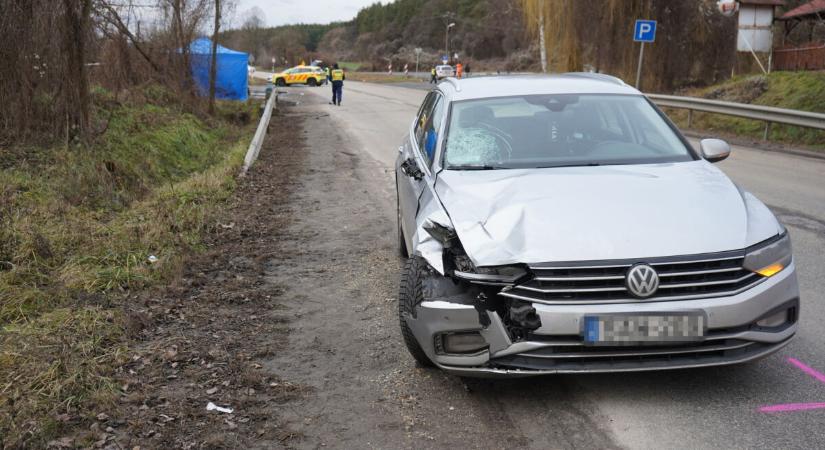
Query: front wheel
x=280 y=82
x=312 y=82
x=409 y=296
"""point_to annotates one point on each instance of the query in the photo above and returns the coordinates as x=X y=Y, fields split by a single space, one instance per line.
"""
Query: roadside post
x=418 y=51
x=643 y=32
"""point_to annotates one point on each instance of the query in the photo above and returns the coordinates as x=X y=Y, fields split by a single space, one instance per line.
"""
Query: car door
x=413 y=167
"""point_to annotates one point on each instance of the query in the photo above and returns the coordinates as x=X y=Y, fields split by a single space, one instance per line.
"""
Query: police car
x=309 y=75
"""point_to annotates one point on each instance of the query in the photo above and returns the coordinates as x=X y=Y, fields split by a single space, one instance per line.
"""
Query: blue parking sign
x=645 y=31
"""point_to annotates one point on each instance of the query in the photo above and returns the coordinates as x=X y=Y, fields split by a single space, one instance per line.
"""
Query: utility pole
x=447 y=39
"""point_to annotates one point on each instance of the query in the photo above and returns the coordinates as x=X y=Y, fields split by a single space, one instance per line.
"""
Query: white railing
x=260 y=134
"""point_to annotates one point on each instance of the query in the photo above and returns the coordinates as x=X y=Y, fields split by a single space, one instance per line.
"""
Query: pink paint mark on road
x=788 y=407
x=809 y=370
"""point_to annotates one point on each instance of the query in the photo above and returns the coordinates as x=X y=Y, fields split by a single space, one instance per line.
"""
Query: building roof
x=763 y=2
x=512 y=85
x=807 y=9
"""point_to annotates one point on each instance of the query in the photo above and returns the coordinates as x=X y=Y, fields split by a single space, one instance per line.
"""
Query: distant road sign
x=645 y=31
x=445 y=59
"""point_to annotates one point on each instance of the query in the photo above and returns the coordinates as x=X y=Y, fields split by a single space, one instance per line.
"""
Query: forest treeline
x=695 y=44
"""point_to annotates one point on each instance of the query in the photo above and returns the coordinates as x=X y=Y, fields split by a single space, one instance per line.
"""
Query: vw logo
x=642 y=281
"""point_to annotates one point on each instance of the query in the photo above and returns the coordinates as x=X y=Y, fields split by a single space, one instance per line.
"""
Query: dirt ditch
x=290 y=319
x=205 y=339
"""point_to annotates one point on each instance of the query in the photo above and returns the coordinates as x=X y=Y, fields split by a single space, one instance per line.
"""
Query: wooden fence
x=805 y=57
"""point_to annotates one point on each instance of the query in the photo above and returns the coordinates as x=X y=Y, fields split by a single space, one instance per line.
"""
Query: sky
x=281 y=12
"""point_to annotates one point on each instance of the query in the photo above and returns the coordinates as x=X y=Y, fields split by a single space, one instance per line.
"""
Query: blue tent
x=231 y=77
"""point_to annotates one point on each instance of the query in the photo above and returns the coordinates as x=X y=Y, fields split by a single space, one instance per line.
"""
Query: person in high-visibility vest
x=433 y=77
x=337 y=75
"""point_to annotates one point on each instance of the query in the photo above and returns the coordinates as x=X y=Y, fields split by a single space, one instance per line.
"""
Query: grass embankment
x=382 y=77
x=803 y=91
x=77 y=228
x=350 y=66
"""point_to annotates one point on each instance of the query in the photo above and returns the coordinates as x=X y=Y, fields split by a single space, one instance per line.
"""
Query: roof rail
x=598 y=76
x=454 y=82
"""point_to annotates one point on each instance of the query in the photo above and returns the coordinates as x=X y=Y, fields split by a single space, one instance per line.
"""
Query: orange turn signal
x=771 y=270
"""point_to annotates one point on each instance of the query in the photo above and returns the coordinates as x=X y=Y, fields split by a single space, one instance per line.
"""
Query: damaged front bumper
x=556 y=344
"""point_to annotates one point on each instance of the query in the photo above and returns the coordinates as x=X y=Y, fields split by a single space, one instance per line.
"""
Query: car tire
x=409 y=296
x=280 y=82
x=312 y=82
x=402 y=244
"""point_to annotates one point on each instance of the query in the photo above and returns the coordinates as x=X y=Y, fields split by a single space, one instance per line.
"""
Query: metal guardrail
x=260 y=134
x=767 y=114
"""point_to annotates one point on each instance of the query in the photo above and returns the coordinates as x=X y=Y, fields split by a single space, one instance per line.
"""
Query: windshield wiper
x=592 y=164
x=474 y=167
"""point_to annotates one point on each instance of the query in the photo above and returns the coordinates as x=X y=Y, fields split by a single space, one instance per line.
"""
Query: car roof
x=513 y=85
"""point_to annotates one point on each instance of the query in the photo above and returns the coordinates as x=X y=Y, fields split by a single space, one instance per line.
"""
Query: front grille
x=604 y=282
x=587 y=358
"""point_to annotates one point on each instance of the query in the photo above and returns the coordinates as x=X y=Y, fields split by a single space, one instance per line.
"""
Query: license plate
x=634 y=329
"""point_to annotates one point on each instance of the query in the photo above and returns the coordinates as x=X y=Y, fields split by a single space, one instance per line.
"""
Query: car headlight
x=492 y=274
x=770 y=259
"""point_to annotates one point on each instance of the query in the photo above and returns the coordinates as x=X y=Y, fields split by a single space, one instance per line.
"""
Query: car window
x=560 y=130
x=429 y=137
x=423 y=116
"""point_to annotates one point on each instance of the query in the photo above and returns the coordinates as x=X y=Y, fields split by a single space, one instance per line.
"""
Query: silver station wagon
x=562 y=223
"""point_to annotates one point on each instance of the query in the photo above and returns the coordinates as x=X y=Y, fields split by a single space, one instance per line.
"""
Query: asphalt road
x=707 y=408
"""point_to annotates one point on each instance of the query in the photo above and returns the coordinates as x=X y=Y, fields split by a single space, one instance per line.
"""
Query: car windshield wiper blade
x=554 y=166
x=474 y=167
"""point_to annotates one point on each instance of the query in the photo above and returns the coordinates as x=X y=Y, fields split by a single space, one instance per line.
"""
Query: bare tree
x=553 y=21
x=78 y=17
x=213 y=64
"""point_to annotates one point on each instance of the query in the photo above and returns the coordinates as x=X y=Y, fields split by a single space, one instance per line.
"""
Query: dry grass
x=380 y=77
x=77 y=227
x=803 y=91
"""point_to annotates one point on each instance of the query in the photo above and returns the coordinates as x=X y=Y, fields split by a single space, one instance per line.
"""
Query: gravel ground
x=290 y=319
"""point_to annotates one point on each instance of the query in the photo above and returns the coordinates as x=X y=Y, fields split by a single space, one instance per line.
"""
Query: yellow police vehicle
x=309 y=75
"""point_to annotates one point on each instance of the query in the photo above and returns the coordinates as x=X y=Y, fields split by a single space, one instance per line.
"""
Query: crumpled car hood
x=600 y=213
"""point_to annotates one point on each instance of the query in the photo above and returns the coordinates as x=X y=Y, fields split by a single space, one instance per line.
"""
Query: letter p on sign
x=645 y=31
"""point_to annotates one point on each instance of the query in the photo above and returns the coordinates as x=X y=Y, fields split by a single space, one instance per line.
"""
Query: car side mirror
x=714 y=150
x=410 y=168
